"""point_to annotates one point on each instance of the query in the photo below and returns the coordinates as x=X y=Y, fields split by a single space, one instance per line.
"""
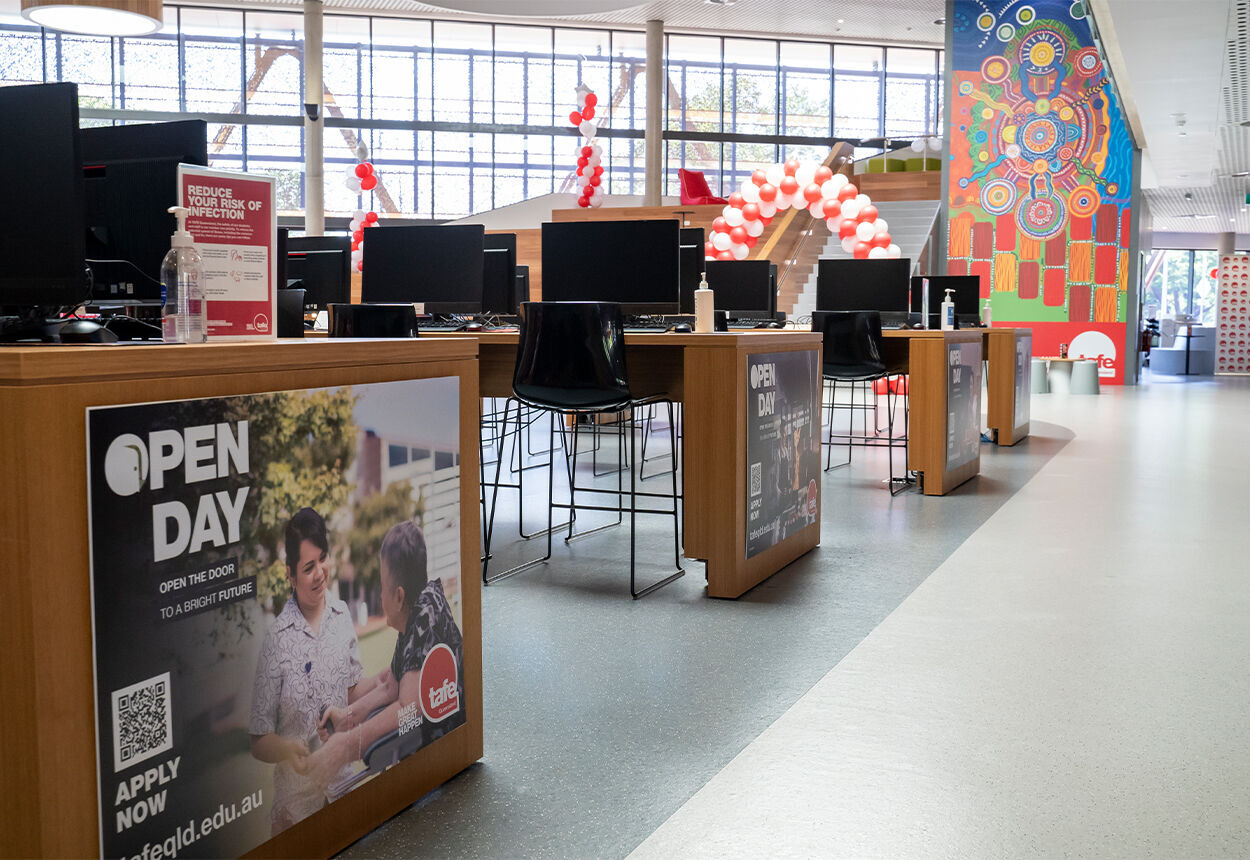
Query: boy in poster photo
x=416 y=607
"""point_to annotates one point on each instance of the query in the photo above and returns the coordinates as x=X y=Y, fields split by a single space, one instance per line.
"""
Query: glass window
x=694 y=84
x=910 y=92
x=420 y=454
x=397 y=455
x=147 y=69
x=88 y=61
x=699 y=155
x=1180 y=282
x=275 y=72
x=629 y=77
x=456 y=88
x=21 y=51
x=581 y=57
x=857 y=91
x=750 y=86
x=806 y=85
x=213 y=59
x=277 y=150
x=355 y=87
x=444 y=460
x=522 y=75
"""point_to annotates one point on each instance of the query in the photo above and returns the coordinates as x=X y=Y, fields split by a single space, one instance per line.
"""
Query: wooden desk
x=1008 y=354
x=944 y=402
x=46 y=640
x=708 y=374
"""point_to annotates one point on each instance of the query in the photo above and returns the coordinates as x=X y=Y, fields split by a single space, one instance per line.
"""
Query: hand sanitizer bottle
x=948 y=312
x=182 y=291
x=704 y=307
x=985 y=314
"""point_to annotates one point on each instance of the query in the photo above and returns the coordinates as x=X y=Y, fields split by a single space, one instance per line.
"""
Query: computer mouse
x=773 y=324
x=682 y=328
x=84 y=331
x=473 y=326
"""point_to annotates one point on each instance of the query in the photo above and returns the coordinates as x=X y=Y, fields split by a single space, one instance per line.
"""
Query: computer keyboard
x=763 y=322
x=440 y=327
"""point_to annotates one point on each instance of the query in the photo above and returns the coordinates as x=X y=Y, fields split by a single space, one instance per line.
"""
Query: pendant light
x=96 y=17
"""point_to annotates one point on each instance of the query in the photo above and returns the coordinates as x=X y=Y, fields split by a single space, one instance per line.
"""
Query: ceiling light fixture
x=940 y=21
x=96 y=17
x=720 y=2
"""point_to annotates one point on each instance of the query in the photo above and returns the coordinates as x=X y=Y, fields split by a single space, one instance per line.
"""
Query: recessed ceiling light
x=940 y=21
x=1239 y=174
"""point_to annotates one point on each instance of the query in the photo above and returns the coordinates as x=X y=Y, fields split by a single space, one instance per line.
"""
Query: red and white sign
x=440 y=692
x=233 y=221
x=1102 y=342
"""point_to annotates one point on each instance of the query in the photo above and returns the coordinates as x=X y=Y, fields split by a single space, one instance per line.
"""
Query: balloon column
x=361 y=177
x=826 y=195
x=590 y=157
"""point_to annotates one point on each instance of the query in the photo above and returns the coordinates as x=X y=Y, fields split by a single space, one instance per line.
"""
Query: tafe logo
x=763 y=375
x=1095 y=345
x=440 y=696
x=261 y=323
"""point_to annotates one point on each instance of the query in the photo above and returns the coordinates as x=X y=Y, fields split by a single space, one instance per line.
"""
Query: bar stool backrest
x=852 y=343
x=572 y=356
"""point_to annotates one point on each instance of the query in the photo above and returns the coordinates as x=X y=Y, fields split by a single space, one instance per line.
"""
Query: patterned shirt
x=297 y=674
x=430 y=623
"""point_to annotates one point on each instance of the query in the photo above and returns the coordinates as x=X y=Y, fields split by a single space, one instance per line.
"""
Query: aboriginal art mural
x=1040 y=172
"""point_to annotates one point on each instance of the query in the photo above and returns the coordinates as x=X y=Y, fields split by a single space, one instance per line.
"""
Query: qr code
x=757 y=479
x=142 y=722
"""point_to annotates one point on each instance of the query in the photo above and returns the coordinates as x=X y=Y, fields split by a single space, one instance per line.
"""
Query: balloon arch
x=824 y=194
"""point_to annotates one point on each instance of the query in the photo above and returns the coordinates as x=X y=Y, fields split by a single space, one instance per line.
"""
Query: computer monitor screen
x=967 y=295
x=743 y=288
x=522 y=293
x=131 y=174
x=499 y=274
x=41 y=221
x=863 y=285
x=690 y=264
x=634 y=263
x=440 y=267
x=322 y=267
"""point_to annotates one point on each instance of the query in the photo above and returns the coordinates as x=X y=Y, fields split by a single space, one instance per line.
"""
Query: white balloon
x=850 y=209
x=881 y=225
x=594 y=160
x=848 y=244
x=596 y=202
x=767 y=210
x=864 y=232
x=587 y=129
x=882 y=236
x=740 y=252
x=839 y=179
x=862 y=199
x=358 y=215
x=721 y=241
x=353 y=183
x=918 y=145
x=830 y=188
x=877 y=254
x=733 y=217
x=754 y=228
x=894 y=252
x=353 y=226
x=775 y=174
x=832 y=224
x=935 y=144
x=583 y=179
x=750 y=192
x=806 y=175
x=817 y=209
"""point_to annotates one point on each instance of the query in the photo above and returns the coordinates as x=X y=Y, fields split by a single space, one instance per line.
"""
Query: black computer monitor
x=499 y=274
x=743 y=288
x=440 y=267
x=690 y=264
x=634 y=263
x=284 y=233
x=967 y=296
x=863 y=285
x=322 y=266
x=41 y=220
x=522 y=286
x=131 y=174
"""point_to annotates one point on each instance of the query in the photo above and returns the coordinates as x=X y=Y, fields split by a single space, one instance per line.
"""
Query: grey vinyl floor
x=1053 y=660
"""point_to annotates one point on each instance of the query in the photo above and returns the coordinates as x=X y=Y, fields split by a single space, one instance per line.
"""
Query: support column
x=1225 y=244
x=654 y=140
x=314 y=122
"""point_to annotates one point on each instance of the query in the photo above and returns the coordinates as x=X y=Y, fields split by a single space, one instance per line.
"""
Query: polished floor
x=1052 y=660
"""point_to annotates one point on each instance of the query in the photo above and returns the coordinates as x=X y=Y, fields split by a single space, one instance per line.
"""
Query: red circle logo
x=811 y=498
x=440 y=695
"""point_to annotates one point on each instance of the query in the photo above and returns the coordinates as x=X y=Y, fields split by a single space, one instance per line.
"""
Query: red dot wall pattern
x=1038 y=200
x=1232 y=335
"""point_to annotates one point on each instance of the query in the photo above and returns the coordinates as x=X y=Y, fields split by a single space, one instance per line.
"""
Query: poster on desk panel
x=276 y=603
x=233 y=221
x=783 y=446
x=963 y=399
x=1023 y=380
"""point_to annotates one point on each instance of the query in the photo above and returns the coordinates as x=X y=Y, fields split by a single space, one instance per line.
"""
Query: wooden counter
x=46 y=640
x=1009 y=367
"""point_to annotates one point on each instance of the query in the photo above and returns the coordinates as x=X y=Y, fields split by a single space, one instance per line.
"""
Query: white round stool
x=1085 y=377
x=1060 y=377
x=1037 y=377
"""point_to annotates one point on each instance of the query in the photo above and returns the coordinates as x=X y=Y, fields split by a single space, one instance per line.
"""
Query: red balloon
x=759 y=177
x=371 y=217
x=847 y=192
x=709 y=250
x=368 y=183
x=832 y=208
x=738 y=235
x=362 y=170
x=789 y=185
x=360 y=266
x=595 y=180
x=358 y=236
x=591 y=100
x=861 y=250
x=355 y=247
x=823 y=175
x=751 y=211
x=719 y=225
x=735 y=200
x=582 y=162
x=768 y=193
x=583 y=202
x=575 y=117
x=766 y=221
x=791 y=166
x=881 y=240
x=868 y=213
x=750 y=241
x=846 y=229
x=587 y=152
x=598 y=171
x=811 y=193
x=724 y=255
x=588 y=112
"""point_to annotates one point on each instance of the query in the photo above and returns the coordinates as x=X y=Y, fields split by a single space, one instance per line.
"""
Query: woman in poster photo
x=309 y=661
x=417 y=607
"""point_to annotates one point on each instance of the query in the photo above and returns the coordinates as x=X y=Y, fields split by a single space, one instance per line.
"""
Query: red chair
x=694 y=190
